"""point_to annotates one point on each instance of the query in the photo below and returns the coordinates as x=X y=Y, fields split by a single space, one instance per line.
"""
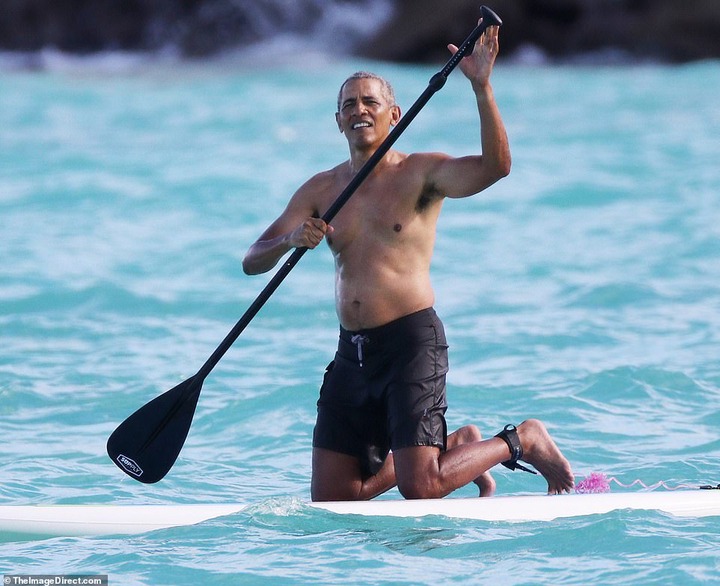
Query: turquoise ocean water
x=582 y=290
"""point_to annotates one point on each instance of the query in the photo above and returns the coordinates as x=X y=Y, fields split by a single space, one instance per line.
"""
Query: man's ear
x=395 y=114
x=337 y=120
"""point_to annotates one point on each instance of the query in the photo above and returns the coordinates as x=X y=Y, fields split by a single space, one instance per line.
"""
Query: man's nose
x=359 y=108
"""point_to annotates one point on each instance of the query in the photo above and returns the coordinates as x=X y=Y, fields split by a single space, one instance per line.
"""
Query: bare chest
x=389 y=210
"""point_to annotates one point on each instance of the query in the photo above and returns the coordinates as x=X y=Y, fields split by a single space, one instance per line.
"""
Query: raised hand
x=478 y=65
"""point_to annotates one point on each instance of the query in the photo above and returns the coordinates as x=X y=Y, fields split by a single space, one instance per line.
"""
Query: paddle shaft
x=146 y=445
x=437 y=81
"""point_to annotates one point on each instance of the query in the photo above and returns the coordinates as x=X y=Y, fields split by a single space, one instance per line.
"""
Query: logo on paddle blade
x=129 y=465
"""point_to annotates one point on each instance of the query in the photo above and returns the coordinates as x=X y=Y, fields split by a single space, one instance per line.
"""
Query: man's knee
x=421 y=486
x=464 y=435
x=419 y=490
x=417 y=472
x=335 y=476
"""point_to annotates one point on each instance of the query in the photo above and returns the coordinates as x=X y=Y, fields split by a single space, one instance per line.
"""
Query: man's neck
x=359 y=157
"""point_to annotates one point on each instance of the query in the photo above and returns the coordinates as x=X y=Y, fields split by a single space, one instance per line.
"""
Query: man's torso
x=382 y=241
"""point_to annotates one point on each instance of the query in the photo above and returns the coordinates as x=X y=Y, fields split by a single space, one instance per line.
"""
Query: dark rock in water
x=643 y=29
x=195 y=27
x=71 y=25
x=419 y=30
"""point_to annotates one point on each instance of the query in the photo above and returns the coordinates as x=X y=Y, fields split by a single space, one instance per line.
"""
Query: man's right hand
x=310 y=233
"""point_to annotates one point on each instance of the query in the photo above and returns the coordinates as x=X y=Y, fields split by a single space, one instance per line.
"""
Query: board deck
x=78 y=520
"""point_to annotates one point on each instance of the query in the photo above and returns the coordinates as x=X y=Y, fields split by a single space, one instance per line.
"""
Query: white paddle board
x=77 y=520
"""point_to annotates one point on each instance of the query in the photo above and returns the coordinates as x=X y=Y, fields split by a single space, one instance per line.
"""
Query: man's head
x=366 y=109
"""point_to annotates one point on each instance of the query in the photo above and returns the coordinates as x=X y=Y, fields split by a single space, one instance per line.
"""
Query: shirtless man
x=382 y=404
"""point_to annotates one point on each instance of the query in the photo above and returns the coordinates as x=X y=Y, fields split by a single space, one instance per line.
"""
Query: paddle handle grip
x=489 y=18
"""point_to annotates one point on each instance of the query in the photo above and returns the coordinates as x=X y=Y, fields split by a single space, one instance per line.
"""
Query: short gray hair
x=388 y=91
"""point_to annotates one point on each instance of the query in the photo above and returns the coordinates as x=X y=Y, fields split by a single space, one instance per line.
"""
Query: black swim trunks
x=385 y=390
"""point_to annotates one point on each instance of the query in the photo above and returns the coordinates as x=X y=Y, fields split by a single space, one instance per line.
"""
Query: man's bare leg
x=469 y=434
x=425 y=472
x=338 y=477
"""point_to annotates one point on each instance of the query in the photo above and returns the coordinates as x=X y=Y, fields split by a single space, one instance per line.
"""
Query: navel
x=397 y=227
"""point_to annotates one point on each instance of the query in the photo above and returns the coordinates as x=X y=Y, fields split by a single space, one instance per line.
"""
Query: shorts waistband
x=370 y=341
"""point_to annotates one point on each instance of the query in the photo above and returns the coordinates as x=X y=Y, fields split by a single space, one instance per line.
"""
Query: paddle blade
x=146 y=445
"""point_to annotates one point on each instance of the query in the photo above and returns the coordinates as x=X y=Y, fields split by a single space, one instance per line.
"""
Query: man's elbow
x=499 y=169
x=250 y=268
x=503 y=167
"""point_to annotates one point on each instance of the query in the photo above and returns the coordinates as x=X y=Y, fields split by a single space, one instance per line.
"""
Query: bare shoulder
x=454 y=176
x=314 y=192
x=318 y=182
x=427 y=158
x=425 y=163
x=424 y=169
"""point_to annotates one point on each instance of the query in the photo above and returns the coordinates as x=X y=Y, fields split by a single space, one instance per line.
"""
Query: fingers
x=310 y=233
x=489 y=40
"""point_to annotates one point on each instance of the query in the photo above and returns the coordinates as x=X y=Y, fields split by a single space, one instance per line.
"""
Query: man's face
x=366 y=114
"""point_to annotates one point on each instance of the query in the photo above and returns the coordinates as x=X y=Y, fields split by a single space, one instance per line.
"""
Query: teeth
x=361 y=125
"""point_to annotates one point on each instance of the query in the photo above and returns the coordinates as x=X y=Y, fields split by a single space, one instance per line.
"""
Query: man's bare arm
x=463 y=176
x=297 y=227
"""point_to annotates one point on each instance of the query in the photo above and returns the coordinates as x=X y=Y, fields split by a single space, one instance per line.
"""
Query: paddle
x=146 y=444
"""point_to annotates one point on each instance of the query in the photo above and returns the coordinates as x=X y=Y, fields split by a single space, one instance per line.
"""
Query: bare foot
x=486 y=484
x=540 y=450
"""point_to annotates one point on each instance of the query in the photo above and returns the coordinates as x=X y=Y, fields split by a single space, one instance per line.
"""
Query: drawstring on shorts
x=359 y=340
